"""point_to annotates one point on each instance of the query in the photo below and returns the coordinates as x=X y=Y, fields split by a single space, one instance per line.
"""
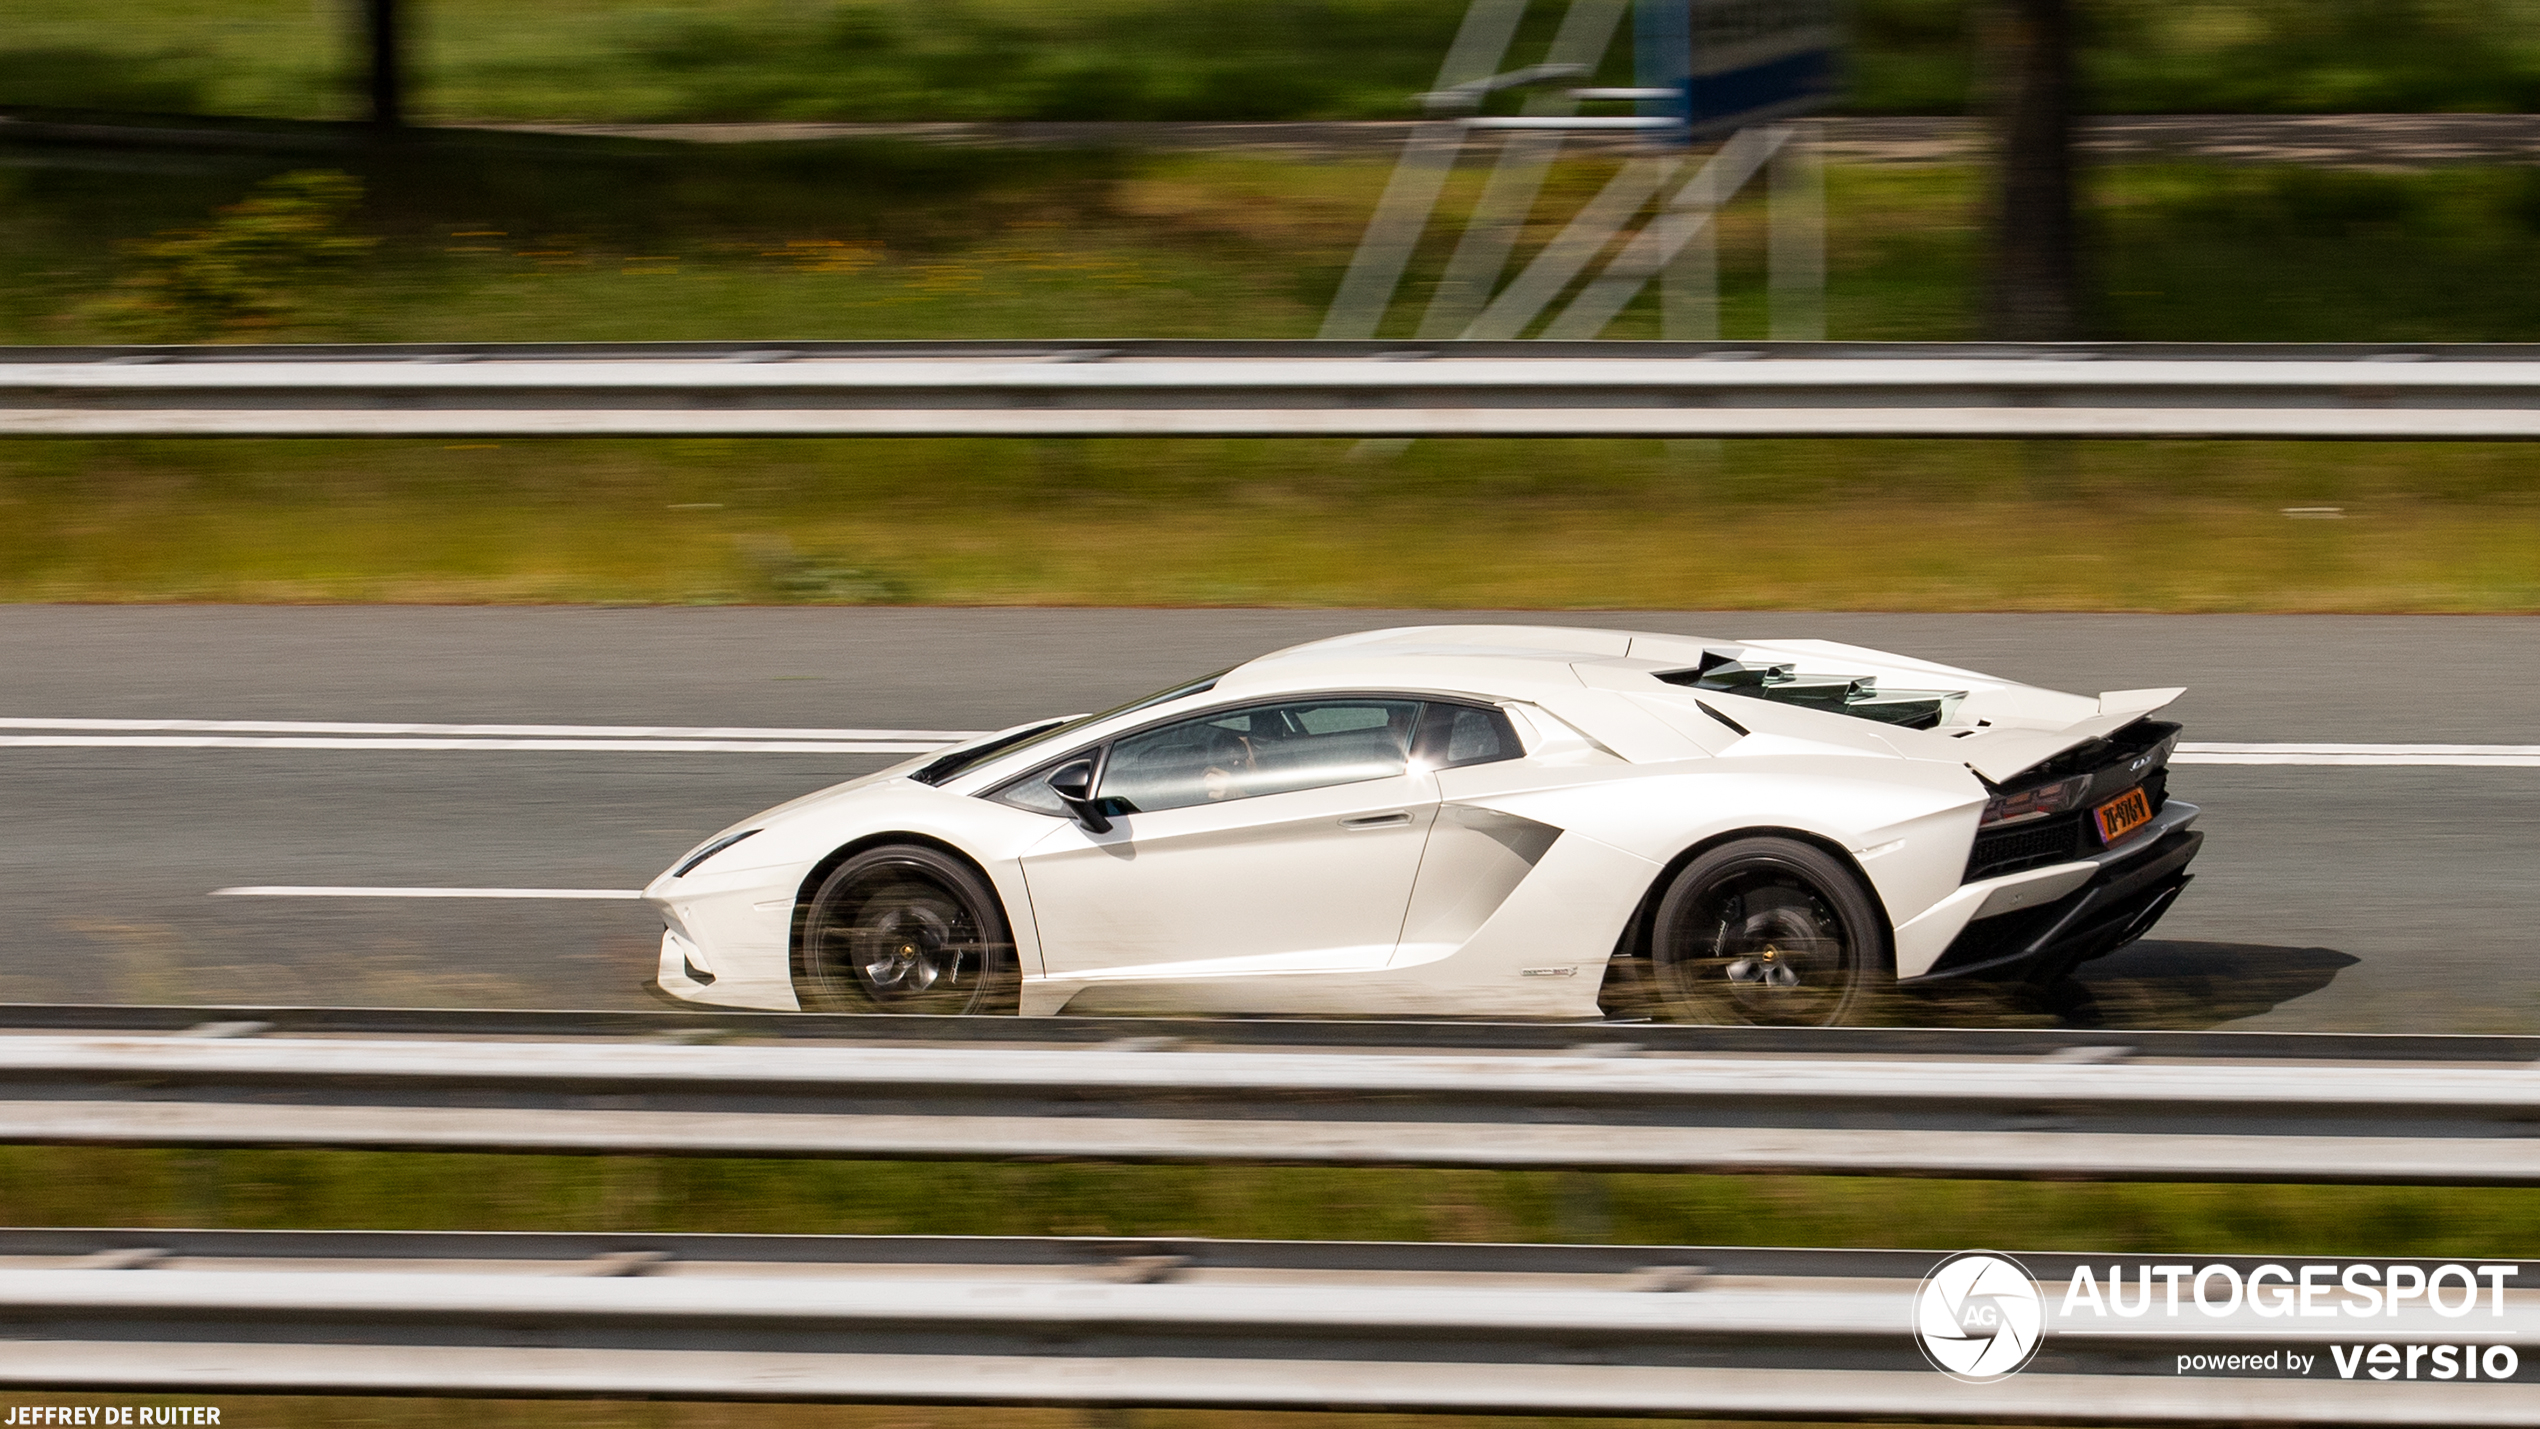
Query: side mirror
x=1073 y=783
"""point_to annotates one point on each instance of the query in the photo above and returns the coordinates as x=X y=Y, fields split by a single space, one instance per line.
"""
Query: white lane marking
x=570 y=746
x=521 y=731
x=2455 y=756
x=327 y=891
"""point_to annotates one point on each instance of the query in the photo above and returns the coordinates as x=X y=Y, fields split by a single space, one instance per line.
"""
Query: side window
x=1268 y=749
x=1462 y=734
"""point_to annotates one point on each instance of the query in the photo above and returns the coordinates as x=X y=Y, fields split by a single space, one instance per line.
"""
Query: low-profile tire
x=904 y=928
x=1768 y=932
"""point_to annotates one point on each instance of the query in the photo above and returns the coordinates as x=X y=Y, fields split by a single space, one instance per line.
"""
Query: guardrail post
x=1795 y=204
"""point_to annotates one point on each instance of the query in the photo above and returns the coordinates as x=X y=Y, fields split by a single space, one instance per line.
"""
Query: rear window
x=1462 y=734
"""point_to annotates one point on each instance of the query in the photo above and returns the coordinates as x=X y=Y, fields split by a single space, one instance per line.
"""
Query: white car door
x=1280 y=837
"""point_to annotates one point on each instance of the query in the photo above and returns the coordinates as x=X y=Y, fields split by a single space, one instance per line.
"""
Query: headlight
x=2023 y=805
x=689 y=864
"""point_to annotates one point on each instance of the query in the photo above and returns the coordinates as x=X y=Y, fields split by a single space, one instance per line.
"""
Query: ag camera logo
x=1978 y=1317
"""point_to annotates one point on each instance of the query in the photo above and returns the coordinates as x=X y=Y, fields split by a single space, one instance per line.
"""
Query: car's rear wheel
x=1768 y=932
x=905 y=929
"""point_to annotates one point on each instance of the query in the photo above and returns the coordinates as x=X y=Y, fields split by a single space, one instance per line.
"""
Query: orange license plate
x=2123 y=814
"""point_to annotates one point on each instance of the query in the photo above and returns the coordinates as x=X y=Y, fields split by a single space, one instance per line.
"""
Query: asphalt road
x=2365 y=899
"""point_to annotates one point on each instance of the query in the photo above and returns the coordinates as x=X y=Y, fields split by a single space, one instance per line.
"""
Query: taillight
x=2020 y=806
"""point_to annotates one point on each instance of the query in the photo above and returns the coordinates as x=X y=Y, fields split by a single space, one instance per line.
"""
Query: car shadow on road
x=2151 y=985
x=2193 y=985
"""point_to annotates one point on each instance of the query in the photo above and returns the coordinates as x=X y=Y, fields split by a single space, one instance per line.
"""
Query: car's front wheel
x=1769 y=932
x=904 y=929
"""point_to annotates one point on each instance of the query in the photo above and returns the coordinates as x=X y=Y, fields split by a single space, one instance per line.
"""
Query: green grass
x=321 y=1190
x=545 y=240
x=1885 y=525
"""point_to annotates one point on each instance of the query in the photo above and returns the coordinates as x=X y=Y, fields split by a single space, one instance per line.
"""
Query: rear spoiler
x=2000 y=754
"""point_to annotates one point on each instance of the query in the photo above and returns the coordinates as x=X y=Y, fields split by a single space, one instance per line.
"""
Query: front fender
x=795 y=839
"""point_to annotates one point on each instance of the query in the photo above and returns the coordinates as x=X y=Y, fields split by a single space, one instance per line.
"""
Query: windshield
x=969 y=757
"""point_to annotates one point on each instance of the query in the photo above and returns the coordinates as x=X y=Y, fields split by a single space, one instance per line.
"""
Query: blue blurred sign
x=1736 y=62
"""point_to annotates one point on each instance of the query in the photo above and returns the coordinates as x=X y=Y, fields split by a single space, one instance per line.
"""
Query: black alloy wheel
x=905 y=929
x=1770 y=932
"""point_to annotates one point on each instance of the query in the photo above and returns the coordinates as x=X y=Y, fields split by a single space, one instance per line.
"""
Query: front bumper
x=680 y=973
x=725 y=936
x=2131 y=888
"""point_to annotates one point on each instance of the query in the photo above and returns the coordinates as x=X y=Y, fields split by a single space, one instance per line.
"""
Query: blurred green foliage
x=2226 y=56
x=2352 y=56
x=663 y=60
x=246 y=271
x=981 y=59
x=492 y=237
x=2287 y=254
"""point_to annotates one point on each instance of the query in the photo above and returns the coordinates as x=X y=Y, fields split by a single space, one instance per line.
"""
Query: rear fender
x=1905 y=824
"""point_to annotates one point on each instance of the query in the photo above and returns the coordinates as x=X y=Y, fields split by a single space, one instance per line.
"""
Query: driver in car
x=1228 y=763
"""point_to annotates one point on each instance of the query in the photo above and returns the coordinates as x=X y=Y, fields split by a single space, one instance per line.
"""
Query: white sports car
x=1470 y=821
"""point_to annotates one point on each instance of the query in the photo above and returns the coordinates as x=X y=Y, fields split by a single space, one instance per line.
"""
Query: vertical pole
x=1662 y=55
x=1796 y=218
x=1689 y=281
x=384 y=38
x=2034 y=284
x=1689 y=287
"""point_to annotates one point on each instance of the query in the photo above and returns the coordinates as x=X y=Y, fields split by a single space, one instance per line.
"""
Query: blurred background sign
x=1737 y=62
x=1732 y=71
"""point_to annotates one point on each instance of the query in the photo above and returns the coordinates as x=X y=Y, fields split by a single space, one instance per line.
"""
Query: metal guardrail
x=1511 y=1329
x=1327 y=389
x=2074 y=1112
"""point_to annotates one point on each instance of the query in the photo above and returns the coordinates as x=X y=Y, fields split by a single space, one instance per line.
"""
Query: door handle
x=1394 y=820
